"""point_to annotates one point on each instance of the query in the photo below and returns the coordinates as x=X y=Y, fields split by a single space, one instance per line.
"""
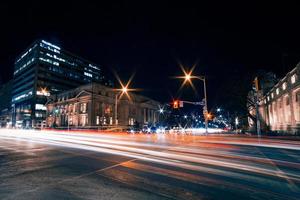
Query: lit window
x=22 y=96
x=97 y=120
x=43 y=92
x=40 y=107
x=268 y=98
x=284 y=86
x=277 y=91
x=93 y=66
x=272 y=95
x=38 y=115
x=51 y=45
x=83 y=107
x=293 y=79
x=88 y=74
x=25 y=65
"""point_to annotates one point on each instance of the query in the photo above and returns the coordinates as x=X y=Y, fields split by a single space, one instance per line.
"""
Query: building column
x=90 y=113
x=293 y=121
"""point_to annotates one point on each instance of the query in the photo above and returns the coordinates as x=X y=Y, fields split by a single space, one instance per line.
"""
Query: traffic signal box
x=176 y=104
x=256 y=84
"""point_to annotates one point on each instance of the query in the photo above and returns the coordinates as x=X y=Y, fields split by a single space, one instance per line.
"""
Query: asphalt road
x=57 y=165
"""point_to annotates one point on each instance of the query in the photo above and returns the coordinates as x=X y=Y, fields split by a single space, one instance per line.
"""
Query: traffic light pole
x=205 y=107
x=116 y=109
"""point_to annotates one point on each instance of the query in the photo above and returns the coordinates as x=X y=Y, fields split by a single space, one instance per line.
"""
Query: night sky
x=228 y=42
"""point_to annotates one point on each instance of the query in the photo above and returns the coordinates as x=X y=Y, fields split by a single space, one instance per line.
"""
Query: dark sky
x=229 y=42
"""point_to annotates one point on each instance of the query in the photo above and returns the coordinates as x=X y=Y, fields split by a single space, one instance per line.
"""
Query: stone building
x=94 y=106
x=280 y=107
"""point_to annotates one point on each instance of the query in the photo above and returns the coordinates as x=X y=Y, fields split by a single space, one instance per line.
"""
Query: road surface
x=72 y=165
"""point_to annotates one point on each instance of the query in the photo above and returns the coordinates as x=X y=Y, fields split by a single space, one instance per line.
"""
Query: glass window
x=98 y=120
x=284 y=86
x=83 y=107
x=293 y=78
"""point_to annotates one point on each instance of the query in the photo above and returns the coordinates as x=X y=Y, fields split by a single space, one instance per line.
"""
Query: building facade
x=94 y=106
x=280 y=108
x=45 y=69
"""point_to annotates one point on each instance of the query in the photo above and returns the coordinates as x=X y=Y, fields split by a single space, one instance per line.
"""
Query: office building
x=44 y=69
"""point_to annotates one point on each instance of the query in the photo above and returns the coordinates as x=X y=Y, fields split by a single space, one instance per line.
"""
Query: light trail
x=212 y=155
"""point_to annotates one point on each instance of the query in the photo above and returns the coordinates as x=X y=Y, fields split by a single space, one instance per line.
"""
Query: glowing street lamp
x=188 y=78
x=120 y=92
x=124 y=89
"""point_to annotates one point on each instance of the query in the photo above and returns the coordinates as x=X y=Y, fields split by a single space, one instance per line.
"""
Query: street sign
x=180 y=104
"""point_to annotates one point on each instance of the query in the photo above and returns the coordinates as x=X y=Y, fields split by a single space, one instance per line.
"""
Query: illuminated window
x=277 y=91
x=40 y=107
x=88 y=74
x=272 y=95
x=43 y=92
x=284 y=86
x=49 y=61
x=97 y=120
x=38 y=115
x=268 y=97
x=83 y=107
x=24 y=65
x=293 y=79
x=49 y=46
x=93 y=66
x=22 y=96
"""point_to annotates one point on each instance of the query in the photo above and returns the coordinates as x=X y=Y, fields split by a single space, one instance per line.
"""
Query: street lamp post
x=123 y=90
x=116 y=109
x=188 y=76
x=205 y=107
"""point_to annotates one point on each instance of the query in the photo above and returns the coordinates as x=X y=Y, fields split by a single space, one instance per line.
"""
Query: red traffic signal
x=175 y=104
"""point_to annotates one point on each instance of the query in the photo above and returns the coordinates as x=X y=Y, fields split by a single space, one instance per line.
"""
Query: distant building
x=94 y=106
x=44 y=69
x=5 y=104
x=280 y=107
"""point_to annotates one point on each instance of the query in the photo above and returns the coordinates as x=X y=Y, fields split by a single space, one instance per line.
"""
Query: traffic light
x=175 y=104
x=256 y=84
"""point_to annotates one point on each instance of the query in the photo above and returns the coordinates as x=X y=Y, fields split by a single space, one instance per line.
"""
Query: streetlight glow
x=124 y=89
x=188 y=77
